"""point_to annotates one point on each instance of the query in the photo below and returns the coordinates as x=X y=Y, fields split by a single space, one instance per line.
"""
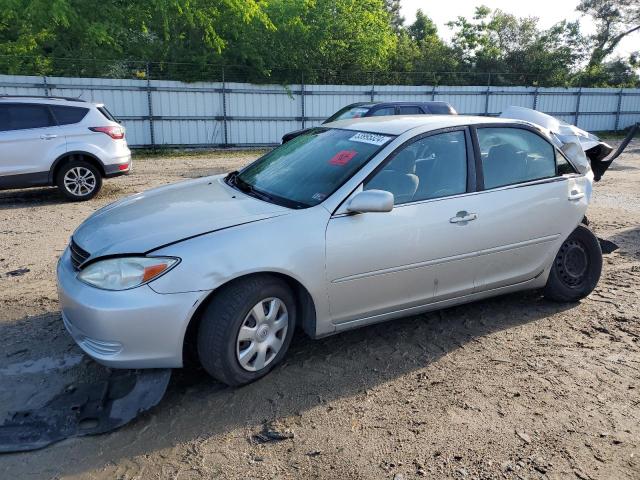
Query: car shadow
x=30 y=197
x=314 y=373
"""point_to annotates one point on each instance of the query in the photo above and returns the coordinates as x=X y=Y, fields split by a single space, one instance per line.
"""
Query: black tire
x=576 y=268
x=83 y=192
x=227 y=312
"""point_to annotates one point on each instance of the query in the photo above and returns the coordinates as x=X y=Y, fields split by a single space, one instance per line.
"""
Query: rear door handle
x=463 y=217
x=576 y=195
x=48 y=136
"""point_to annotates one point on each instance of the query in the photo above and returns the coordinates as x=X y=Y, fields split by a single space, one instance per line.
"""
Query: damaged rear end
x=585 y=149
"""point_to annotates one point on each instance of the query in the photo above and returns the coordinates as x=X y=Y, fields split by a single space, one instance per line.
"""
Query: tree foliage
x=615 y=20
x=323 y=40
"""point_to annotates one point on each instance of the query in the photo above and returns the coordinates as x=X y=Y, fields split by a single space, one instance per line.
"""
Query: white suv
x=60 y=141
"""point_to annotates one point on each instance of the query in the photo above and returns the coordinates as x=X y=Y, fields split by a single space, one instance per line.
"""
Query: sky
x=548 y=11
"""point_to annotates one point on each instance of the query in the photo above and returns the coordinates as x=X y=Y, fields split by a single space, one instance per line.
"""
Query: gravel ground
x=513 y=387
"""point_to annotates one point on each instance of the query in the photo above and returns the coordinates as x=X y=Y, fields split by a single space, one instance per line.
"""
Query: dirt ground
x=513 y=387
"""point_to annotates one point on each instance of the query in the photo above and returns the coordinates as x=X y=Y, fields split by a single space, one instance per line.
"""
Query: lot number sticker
x=371 y=138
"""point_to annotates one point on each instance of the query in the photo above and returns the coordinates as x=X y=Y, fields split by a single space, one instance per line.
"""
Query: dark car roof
x=377 y=104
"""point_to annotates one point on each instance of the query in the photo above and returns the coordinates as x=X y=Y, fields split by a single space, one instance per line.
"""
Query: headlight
x=126 y=272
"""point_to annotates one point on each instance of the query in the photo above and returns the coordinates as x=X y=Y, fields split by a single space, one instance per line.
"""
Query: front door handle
x=576 y=195
x=48 y=136
x=463 y=217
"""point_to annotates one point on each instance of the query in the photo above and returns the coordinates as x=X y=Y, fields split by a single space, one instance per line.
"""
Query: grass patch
x=143 y=154
x=615 y=134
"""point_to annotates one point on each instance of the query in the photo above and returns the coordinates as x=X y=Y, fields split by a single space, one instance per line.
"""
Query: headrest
x=405 y=161
x=504 y=151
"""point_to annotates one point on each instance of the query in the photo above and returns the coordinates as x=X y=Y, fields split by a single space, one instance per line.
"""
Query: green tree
x=104 y=30
x=514 y=50
x=397 y=20
x=615 y=20
x=338 y=37
x=423 y=27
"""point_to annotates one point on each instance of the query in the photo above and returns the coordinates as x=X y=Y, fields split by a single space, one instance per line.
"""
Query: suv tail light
x=117 y=133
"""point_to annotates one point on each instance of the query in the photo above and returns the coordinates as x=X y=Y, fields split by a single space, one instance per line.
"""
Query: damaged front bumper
x=86 y=409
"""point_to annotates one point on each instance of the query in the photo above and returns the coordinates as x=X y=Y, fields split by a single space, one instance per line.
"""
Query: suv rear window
x=440 y=109
x=24 y=116
x=69 y=115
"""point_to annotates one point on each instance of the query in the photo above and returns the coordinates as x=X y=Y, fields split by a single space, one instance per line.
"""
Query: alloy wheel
x=80 y=181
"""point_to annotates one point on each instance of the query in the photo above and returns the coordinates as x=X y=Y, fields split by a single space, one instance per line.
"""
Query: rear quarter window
x=107 y=114
x=69 y=115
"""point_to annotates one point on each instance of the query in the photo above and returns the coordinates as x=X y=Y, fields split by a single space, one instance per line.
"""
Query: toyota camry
x=353 y=223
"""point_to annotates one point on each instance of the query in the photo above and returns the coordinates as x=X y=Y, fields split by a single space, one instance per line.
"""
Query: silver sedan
x=354 y=223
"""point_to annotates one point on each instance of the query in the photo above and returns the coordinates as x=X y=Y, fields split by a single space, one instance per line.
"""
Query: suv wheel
x=78 y=180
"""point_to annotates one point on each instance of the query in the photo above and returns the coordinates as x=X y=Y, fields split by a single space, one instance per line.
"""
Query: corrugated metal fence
x=170 y=113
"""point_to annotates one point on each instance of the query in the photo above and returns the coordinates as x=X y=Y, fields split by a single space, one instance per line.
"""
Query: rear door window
x=409 y=110
x=24 y=116
x=69 y=115
x=382 y=112
x=514 y=155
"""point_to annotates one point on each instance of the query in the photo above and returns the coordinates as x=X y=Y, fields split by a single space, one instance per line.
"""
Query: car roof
x=398 y=102
x=71 y=101
x=399 y=124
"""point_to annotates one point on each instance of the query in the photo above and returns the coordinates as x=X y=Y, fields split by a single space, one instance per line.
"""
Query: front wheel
x=246 y=329
x=79 y=180
x=576 y=268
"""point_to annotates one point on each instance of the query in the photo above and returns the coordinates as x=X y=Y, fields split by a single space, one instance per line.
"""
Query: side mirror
x=371 y=201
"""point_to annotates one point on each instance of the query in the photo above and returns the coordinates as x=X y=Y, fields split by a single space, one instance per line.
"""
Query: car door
x=421 y=251
x=531 y=200
x=29 y=139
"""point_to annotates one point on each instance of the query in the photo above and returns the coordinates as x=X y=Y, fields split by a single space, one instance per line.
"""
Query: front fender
x=291 y=245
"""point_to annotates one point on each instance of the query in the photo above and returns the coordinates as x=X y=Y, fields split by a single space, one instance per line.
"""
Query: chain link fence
x=190 y=105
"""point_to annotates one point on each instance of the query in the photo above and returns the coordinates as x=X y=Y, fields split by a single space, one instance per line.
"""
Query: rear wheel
x=246 y=329
x=576 y=268
x=79 y=180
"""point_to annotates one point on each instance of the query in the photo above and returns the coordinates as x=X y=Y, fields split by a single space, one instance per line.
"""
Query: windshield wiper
x=237 y=182
x=234 y=180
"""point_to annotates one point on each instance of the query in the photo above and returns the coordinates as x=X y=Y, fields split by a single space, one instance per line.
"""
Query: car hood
x=152 y=219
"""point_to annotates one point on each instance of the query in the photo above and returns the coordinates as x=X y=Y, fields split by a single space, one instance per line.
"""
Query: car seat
x=398 y=177
x=504 y=165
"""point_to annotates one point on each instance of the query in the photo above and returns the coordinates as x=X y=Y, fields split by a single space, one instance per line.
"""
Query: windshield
x=306 y=170
x=348 y=112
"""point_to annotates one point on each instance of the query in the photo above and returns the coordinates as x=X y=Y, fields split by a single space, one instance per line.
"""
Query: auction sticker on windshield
x=372 y=138
x=342 y=157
